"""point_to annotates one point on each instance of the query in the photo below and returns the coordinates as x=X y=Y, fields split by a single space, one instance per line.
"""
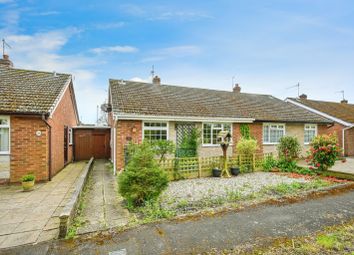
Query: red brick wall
x=256 y=131
x=29 y=152
x=126 y=131
x=349 y=142
x=64 y=115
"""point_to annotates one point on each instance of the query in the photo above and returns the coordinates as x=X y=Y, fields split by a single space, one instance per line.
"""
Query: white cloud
x=116 y=49
x=172 y=52
x=139 y=79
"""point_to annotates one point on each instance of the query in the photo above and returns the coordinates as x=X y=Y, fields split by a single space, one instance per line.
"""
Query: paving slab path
x=102 y=204
x=222 y=232
x=31 y=217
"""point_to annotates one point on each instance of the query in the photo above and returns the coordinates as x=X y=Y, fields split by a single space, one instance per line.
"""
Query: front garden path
x=31 y=217
x=102 y=205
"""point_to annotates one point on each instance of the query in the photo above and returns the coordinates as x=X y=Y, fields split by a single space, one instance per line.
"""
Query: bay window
x=211 y=131
x=273 y=132
x=153 y=131
x=4 y=135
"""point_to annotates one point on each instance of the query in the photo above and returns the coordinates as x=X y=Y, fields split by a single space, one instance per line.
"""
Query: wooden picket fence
x=197 y=167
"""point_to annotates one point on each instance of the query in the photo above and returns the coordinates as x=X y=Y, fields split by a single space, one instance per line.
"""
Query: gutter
x=44 y=118
x=343 y=137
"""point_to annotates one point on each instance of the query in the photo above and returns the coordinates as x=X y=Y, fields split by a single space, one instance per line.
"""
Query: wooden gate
x=92 y=142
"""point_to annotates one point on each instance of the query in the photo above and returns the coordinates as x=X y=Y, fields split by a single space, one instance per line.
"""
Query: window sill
x=5 y=153
x=270 y=143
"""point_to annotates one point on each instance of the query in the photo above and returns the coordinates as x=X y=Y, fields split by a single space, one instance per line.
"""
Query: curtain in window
x=4 y=139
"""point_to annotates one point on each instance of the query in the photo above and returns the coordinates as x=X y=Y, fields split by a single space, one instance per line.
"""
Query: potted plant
x=235 y=170
x=216 y=170
x=28 y=182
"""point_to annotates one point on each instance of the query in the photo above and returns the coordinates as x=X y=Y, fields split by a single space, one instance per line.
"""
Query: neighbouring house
x=37 y=113
x=155 y=111
x=342 y=115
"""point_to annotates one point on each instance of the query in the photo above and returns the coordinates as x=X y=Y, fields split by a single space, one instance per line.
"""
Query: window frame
x=270 y=124
x=9 y=128
x=211 y=132
x=70 y=136
x=308 y=124
x=157 y=128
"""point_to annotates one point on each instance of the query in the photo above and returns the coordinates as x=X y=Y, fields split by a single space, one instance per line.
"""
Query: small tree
x=324 y=151
x=162 y=148
x=288 y=148
x=142 y=180
x=247 y=146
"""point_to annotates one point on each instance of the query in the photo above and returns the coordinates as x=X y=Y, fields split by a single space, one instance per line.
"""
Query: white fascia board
x=182 y=118
x=59 y=98
x=320 y=113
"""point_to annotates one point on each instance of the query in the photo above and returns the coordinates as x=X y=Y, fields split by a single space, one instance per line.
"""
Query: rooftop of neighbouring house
x=139 y=98
x=28 y=91
x=340 y=110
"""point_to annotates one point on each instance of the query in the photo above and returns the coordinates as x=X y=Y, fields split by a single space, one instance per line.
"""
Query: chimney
x=303 y=96
x=5 y=61
x=344 y=101
x=156 y=80
x=237 y=88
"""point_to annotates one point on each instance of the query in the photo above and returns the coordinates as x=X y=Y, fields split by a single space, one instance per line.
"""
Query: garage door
x=92 y=143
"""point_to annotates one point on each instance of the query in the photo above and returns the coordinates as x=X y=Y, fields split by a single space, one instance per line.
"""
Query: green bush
x=162 y=148
x=268 y=163
x=247 y=146
x=287 y=166
x=324 y=152
x=289 y=148
x=28 y=178
x=142 y=180
x=189 y=145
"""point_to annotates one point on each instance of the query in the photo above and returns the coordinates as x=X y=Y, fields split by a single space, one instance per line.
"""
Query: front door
x=65 y=145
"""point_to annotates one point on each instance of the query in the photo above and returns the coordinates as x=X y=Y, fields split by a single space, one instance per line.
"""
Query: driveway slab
x=30 y=217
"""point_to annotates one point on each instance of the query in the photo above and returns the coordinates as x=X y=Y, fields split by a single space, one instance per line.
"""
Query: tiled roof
x=137 y=98
x=342 y=111
x=32 y=92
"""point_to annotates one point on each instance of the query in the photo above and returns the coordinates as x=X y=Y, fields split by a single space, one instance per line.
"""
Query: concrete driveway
x=31 y=217
x=346 y=167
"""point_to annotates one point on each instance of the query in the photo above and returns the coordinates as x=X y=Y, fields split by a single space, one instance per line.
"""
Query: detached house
x=37 y=112
x=342 y=115
x=154 y=111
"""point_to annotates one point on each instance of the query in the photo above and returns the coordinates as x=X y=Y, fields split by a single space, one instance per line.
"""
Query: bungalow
x=342 y=115
x=37 y=112
x=154 y=111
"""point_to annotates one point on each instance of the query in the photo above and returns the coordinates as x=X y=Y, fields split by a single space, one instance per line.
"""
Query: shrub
x=189 y=145
x=288 y=148
x=245 y=131
x=28 y=178
x=247 y=146
x=287 y=166
x=162 y=148
x=142 y=180
x=324 y=152
x=268 y=163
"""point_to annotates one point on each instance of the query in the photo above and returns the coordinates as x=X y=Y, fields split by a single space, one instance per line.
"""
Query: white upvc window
x=211 y=131
x=4 y=135
x=310 y=132
x=153 y=131
x=272 y=132
x=70 y=134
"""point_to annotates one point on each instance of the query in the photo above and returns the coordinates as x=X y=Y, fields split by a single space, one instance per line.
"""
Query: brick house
x=154 y=111
x=342 y=115
x=37 y=113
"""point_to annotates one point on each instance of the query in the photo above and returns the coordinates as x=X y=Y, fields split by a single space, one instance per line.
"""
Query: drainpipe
x=50 y=147
x=114 y=148
x=343 y=137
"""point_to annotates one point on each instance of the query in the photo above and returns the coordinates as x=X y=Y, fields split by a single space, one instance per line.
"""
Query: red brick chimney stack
x=5 y=61
x=344 y=101
x=156 y=80
x=303 y=96
x=237 y=88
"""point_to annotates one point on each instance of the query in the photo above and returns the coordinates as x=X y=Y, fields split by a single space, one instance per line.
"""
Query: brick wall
x=64 y=115
x=256 y=131
x=127 y=131
x=29 y=152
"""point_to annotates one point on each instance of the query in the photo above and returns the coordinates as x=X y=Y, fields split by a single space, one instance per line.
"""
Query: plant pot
x=235 y=171
x=28 y=186
x=216 y=172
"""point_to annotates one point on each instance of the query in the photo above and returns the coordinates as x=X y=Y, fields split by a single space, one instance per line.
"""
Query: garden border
x=69 y=210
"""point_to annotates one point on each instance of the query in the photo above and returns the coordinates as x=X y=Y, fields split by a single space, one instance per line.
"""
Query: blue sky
x=268 y=46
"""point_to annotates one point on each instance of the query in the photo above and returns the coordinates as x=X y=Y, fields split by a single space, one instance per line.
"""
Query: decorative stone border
x=69 y=210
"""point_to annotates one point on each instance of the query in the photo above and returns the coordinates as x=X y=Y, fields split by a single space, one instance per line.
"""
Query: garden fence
x=197 y=167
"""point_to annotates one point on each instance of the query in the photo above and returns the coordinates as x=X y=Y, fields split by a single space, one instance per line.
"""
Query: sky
x=265 y=46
